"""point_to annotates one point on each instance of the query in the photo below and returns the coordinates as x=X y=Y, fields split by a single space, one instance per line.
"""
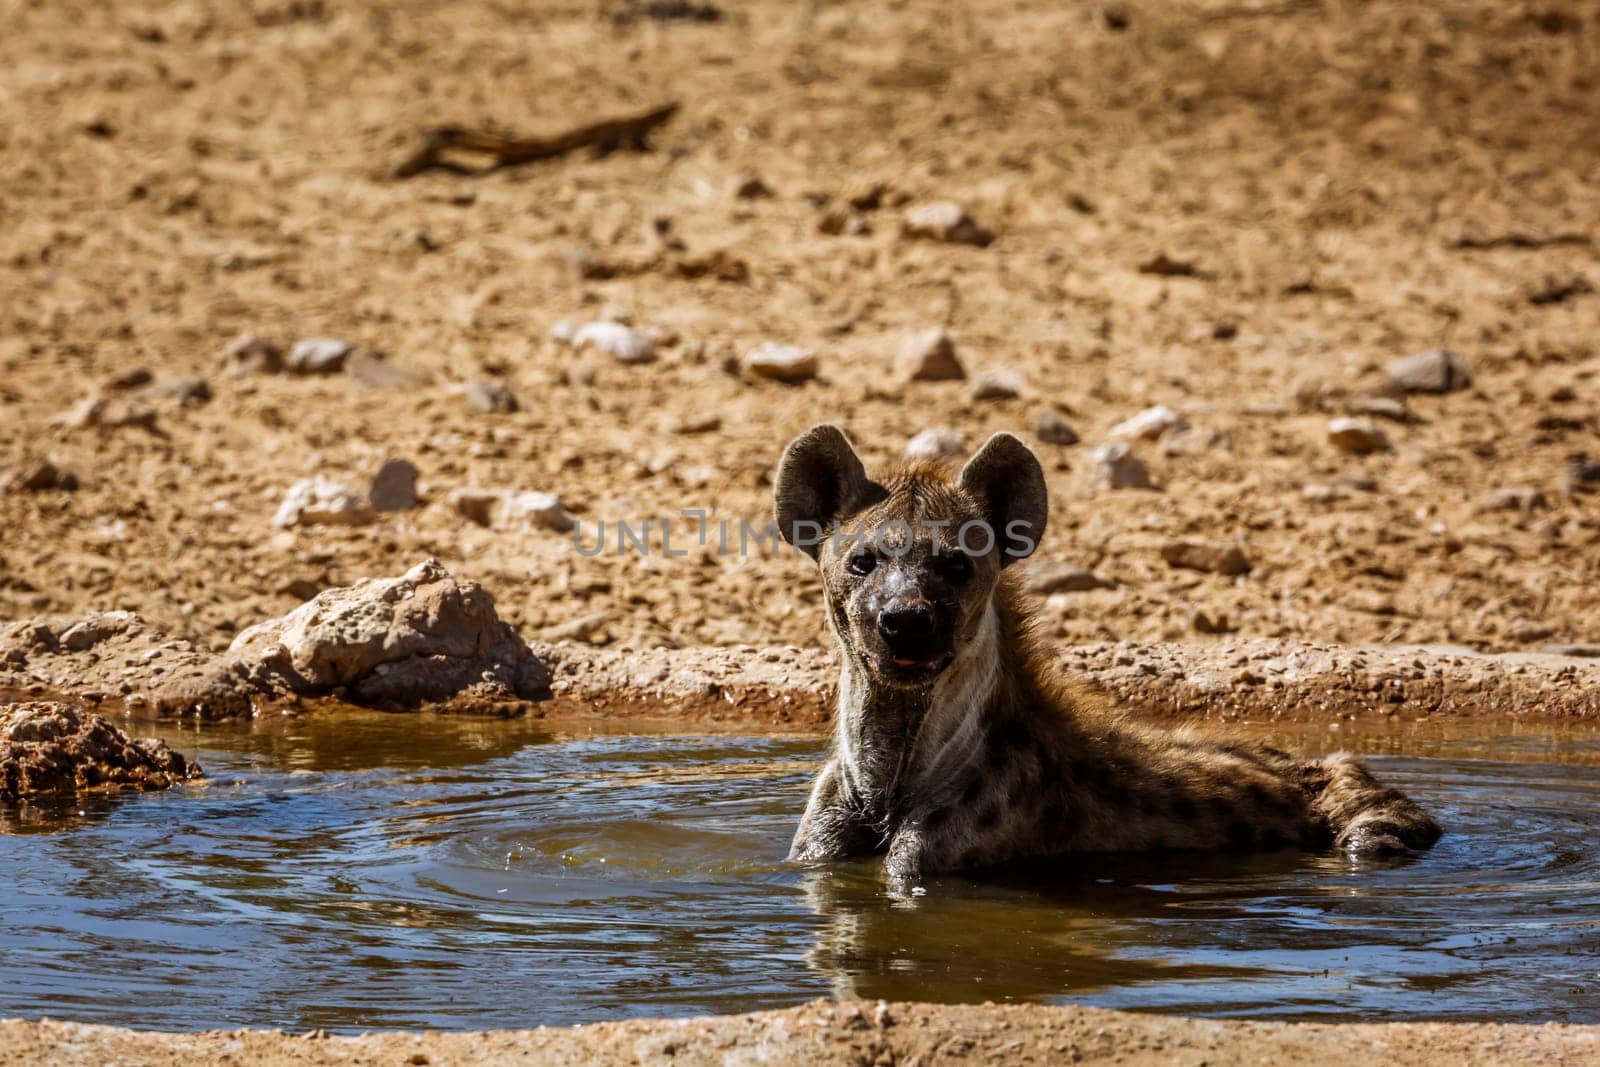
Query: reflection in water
x=369 y=871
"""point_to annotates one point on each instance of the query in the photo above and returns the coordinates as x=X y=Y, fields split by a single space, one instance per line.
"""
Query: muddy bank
x=860 y=1033
x=136 y=670
x=47 y=747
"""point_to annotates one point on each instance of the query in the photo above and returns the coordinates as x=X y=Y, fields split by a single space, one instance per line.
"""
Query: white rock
x=320 y=502
x=537 y=509
x=781 y=363
x=508 y=509
x=944 y=220
x=1150 y=424
x=1359 y=436
x=318 y=355
x=938 y=443
x=1114 y=466
x=622 y=342
x=1437 y=370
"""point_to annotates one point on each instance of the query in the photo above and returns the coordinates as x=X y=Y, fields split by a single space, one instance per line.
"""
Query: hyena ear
x=1006 y=480
x=820 y=480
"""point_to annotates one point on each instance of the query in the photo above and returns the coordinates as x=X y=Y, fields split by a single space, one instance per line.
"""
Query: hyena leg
x=1367 y=818
x=830 y=829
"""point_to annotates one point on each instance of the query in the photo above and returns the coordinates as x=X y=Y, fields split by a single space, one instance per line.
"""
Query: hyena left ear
x=820 y=482
x=1008 y=483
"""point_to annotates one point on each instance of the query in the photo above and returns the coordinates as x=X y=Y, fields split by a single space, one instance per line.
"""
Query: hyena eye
x=956 y=567
x=862 y=563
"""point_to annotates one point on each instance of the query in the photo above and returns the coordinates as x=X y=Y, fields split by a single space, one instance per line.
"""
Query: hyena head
x=909 y=563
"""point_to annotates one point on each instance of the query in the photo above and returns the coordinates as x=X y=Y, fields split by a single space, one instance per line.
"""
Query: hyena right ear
x=820 y=481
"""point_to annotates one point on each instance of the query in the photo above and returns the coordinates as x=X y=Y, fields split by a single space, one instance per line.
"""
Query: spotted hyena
x=959 y=744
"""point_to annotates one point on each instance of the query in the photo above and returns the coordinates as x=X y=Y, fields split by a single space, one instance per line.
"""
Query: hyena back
x=958 y=743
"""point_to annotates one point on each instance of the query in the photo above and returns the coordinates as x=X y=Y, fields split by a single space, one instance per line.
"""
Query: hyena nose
x=908 y=629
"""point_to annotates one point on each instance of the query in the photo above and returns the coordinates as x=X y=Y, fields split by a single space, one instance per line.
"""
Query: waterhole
x=358 y=871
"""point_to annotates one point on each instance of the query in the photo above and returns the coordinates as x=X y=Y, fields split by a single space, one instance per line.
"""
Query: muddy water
x=362 y=872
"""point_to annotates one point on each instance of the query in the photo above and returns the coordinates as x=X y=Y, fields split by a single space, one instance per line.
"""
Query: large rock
x=421 y=638
x=46 y=747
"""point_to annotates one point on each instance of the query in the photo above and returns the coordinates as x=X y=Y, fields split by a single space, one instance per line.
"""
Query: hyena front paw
x=1386 y=833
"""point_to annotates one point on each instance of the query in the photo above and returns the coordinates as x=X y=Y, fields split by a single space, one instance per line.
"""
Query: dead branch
x=472 y=152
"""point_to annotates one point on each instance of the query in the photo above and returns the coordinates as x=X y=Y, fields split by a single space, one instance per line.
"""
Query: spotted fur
x=986 y=753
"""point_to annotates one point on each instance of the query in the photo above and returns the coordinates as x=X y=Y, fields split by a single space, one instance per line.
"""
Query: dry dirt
x=849 y=1034
x=178 y=173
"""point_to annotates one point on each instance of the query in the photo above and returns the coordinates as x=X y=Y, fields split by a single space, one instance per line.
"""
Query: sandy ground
x=178 y=173
x=853 y=1034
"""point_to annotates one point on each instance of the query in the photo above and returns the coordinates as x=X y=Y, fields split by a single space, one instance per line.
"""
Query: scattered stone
x=621 y=342
x=372 y=371
x=1518 y=498
x=394 y=487
x=789 y=364
x=1437 y=370
x=839 y=221
x=1322 y=493
x=1212 y=558
x=105 y=414
x=1114 y=466
x=1186 y=441
x=186 y=392
x=1358 y=436
x=1050 y=428
x=705 y=422
x=491 y=398
x=1382 y=407
x=1066 y=578
x=1150 y=424
x=476 y=505
x=537 y=509
x=751 y=187
x=318 y=355
x=1526 y=631
x=997 y=383
x=249 y=354
x=128 y=380
x=422 y=637
x=506 y=508
x=936 y=444
x=44 y=477
x=1582 y=651
x=319 y=502
x=1579 y=474
x=929 y=356
x=1206 y=623
x=946 y=221
x=47 y=747
x=1166 y=266
x=582 y=628
x=1555 y=289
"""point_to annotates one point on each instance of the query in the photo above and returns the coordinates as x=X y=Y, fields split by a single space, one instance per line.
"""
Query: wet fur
x=1002 y=758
